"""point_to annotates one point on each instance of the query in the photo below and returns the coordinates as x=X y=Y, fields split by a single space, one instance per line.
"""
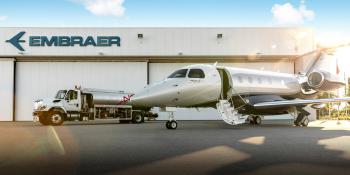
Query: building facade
x=36 y=62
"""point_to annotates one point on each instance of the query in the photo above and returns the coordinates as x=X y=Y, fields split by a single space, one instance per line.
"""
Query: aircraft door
x=226 y=83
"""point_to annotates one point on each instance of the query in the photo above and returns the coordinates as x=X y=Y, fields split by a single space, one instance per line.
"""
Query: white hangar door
x=40 y=80
x=159 y=71
x=6 y=89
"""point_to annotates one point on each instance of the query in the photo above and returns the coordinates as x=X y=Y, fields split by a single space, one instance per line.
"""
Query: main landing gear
x=302 y=118
x=171 y=124
x=255 y=120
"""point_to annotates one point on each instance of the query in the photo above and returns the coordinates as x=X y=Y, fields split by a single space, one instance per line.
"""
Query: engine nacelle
x=315 y=79
x=321 y=80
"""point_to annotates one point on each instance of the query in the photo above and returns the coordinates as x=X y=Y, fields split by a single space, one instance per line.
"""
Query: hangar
x=36 y=62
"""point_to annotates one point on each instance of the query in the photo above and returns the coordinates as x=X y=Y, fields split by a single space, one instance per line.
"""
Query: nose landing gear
x=171 y=124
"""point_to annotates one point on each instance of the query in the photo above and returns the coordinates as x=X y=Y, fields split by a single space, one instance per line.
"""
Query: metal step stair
x=228 y=113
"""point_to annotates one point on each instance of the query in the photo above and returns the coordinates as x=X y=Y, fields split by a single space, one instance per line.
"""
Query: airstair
x=229 y=114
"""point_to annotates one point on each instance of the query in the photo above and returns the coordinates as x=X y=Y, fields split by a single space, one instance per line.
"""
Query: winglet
x=216 y=63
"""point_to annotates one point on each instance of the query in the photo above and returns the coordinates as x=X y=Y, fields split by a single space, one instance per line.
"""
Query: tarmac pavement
x=196 y=147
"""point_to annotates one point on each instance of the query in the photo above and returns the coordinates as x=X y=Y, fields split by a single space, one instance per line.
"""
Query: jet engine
x=322 y=80
x=315 y=79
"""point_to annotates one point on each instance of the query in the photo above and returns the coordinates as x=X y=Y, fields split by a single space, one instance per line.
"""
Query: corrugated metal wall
x=6 y=89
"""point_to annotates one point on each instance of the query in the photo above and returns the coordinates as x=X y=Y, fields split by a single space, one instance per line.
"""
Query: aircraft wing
x=298 y=102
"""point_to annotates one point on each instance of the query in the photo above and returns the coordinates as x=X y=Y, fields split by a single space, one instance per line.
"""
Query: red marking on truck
x=125 y=99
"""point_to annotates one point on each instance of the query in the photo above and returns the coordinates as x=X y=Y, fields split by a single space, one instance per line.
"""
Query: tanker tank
x=108 y=97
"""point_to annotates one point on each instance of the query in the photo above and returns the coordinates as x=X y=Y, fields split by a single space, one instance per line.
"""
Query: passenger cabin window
x=179 y=74
x=196 y=73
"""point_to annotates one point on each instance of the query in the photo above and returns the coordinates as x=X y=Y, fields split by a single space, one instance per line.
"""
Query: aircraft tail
x=325 y=74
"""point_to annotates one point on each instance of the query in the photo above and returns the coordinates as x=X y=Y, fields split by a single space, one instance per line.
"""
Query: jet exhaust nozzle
x=315 y=79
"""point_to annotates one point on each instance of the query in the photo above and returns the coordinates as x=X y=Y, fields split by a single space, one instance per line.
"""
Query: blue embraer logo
x=65 y=41
x=16 y=40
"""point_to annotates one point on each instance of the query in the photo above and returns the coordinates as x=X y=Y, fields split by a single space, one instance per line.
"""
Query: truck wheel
x=137 y=117
x=44 y=120
x=56 y=118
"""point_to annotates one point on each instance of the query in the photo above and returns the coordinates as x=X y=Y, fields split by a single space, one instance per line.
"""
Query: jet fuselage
x=203 y=85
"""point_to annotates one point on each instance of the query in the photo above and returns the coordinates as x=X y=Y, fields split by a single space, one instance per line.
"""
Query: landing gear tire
x=167 y=124
x=171 y=124
x=257 y=120
x=44 y=121
x=296 y=123
x=250 y=119
x=56 y=119
x=137 y=117
x=299 y=119
x=305 y=122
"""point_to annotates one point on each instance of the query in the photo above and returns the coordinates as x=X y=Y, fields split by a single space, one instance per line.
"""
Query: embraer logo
x=65 y=41
x=16 y=40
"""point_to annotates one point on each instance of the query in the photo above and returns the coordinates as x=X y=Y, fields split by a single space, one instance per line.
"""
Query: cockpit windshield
x=60 y=94
x=179 y=74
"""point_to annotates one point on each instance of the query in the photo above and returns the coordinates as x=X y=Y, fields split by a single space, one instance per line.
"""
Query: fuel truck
x=88 y=104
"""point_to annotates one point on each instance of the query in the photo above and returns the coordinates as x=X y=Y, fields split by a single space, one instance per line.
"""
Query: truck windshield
x=60 y=94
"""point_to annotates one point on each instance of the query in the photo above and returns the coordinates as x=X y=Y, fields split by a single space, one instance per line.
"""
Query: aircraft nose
x=140 y=96
x=153 y=95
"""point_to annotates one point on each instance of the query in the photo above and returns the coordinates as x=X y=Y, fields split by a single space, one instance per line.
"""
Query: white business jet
x=238 y=94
